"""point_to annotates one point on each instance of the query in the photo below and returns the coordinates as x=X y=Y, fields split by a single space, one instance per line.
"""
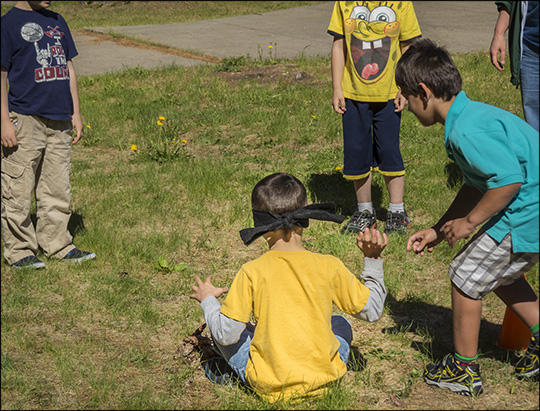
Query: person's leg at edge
x=530 y=86
x=466 y=314
x=522 y=300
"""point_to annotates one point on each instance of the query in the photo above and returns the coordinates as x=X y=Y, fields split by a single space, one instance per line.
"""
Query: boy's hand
x=424 y=238
x=8 y=135
x=78 y=127
x=338 y=102
x=400 y=102
x=372 y=243
x=498 y=48
x=206 y=289
x=455 y=230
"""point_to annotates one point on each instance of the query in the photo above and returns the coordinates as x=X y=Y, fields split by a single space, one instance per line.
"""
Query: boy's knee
x=342 y=327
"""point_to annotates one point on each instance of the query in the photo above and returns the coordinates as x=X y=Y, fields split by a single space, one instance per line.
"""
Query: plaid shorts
x=483 y=265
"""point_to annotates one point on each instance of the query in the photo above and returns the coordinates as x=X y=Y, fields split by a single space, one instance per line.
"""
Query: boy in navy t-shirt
x=39 y=114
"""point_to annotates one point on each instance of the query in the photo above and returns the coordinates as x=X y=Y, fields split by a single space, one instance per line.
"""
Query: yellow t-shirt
x=290 y=293
x=373 y=31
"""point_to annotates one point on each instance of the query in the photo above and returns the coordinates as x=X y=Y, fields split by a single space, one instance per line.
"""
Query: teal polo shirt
x=494 y=148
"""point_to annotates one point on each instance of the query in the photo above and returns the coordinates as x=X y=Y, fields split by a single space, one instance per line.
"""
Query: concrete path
x=461 y=26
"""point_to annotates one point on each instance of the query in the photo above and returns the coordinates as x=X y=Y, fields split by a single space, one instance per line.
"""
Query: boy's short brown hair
x=425 y=62
x=279 y=193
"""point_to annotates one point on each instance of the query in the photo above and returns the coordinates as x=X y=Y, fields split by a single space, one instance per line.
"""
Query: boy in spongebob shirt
x=369 y=38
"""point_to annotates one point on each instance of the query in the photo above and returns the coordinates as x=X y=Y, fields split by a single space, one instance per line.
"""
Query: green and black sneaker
x=527 y=366
x=454 y=376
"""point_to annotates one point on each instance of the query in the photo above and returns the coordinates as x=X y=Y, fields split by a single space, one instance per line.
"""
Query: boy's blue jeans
x=529 y=85
x=237 y=355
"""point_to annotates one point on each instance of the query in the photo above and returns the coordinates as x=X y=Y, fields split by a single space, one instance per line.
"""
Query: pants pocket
x=13 y=184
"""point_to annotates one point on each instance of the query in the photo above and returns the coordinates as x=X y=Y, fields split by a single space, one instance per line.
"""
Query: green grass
x=107 y=334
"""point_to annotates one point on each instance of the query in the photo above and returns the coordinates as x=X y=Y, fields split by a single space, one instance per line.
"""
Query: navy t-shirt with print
x=36 y=46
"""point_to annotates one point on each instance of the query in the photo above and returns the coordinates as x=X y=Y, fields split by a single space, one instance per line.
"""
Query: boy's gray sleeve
x=224 y=330
x=373 y=276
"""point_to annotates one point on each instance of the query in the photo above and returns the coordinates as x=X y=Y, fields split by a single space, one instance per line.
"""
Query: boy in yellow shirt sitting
x=297 y=346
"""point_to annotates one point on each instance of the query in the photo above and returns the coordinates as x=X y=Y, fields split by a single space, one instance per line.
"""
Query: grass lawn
x=162 y=203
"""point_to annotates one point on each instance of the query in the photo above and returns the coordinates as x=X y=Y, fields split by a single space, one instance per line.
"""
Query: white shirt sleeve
x=224 y=330
x=373 y=276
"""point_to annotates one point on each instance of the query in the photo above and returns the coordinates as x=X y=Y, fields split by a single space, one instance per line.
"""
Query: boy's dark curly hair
x=425 y=62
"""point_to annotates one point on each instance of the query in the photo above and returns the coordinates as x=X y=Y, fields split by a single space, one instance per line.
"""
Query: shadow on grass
x=333 y=188
x=424 y=319
x=453 y=174
x=75 y=226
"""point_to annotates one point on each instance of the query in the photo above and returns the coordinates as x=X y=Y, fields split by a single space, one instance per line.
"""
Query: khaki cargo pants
x=41 y=163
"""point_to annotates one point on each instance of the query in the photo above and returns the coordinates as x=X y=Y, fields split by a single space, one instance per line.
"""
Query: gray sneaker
x=396 y=222
x=358 y=222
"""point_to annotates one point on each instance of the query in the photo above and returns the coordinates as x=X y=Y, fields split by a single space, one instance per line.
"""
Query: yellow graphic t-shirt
x=373 y=31
x=291 y=295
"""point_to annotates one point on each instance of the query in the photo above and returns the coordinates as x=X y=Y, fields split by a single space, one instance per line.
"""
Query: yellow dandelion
x=313 y=116
x=88 y=126
x=339 y=168
x=133 y=147
x=161 y=118
x=270 y=46
x=184 y=141
x=93 y=101
x=159 y=123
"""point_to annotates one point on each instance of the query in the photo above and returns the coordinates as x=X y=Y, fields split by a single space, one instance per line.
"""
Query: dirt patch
x=196 y=348
x=122 y=41
x=267 y=74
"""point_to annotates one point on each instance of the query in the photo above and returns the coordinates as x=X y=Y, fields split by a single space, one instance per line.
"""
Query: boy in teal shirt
x=498 y=155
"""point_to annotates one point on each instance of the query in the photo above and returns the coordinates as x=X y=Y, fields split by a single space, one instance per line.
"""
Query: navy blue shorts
x=371 y=140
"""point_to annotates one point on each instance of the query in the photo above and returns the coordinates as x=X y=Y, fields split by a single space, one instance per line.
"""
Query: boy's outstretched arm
x=224 y=330
x=466 y=199
x=372 y=243
x=491 y=203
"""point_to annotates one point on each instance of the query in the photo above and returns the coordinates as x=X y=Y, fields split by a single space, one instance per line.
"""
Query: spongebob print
x=370 y=42
x=373 y=32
